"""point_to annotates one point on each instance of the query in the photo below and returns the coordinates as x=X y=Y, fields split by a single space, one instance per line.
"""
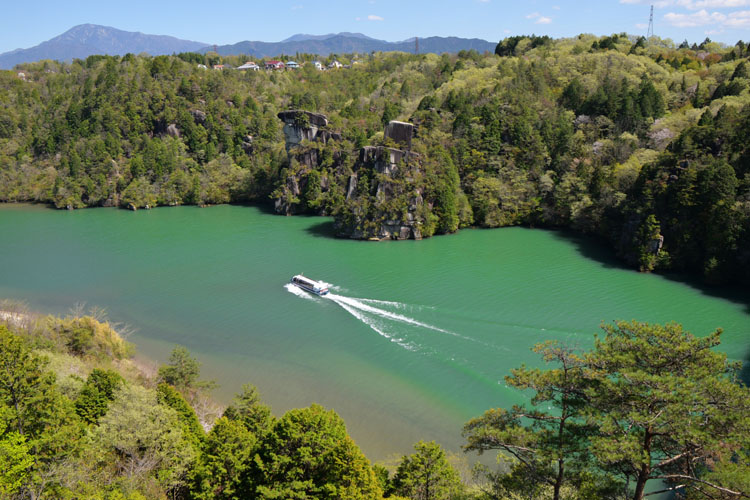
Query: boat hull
x=316 y=292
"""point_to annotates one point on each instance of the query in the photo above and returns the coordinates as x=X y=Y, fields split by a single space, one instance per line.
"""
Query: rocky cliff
x=384 y=196
x=379 y=194
x=307 y=179
x=385 y=192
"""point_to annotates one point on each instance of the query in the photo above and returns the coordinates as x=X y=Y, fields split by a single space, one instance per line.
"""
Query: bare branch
x=691 y=478
x=673 y=459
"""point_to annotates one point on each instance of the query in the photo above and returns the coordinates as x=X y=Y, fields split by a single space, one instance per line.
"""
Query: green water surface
x=414 y=340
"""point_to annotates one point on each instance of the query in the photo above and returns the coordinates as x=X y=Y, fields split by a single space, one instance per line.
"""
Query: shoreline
x=139 y=366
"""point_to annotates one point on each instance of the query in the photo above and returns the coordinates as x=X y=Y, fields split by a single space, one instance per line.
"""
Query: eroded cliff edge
x=379 y=193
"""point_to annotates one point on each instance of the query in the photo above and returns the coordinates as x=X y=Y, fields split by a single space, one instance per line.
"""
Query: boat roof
x=309 y=281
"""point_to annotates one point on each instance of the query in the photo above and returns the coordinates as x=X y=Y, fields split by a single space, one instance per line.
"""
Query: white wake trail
x=360 y=305
x=372 y=324
x=365 y=311
x=397 y=305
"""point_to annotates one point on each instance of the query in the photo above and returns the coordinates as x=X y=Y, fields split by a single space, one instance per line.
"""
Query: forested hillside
x=641 y=143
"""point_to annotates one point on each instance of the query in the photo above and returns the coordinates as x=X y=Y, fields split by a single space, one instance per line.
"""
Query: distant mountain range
x=342 y=43
x=88 y=39
x=301 y=36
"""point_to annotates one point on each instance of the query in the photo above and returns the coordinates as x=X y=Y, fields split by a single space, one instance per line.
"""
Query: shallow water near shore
x=413 y=340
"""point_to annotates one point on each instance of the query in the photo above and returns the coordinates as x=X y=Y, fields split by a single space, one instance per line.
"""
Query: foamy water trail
x=332 y=287
x=378 y=328
x=397 y=305
x=376 y=317
x=362 y=306
x=298 y=291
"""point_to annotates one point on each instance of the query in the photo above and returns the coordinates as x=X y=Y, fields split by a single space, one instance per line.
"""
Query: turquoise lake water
x=413 y=341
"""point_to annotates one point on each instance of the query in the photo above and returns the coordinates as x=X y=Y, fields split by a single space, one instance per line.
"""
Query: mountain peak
x=84 y=40
x=87 y=39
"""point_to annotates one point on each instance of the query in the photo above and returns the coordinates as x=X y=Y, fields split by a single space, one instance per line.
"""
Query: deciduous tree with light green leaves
x=426 y=474
x=308 y=454
x=16 y=459
x=223 y=469
x=143 y=440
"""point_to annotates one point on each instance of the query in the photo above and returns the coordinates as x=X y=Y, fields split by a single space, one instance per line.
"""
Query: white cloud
x=739 y=19
x=692 y=4
x=734 y=20
x=712 y=4
x=641 y=26
x=357 y=18
x=700 y=18
x=540 y=19
x=373 y=17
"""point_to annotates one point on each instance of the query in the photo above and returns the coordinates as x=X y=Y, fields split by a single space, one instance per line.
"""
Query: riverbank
x=131 y=364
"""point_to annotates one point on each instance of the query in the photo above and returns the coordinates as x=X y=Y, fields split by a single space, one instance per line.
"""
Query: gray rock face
x=173 y=131
x=655 y=245
x=281 y=205
x=198 y=115
x=400 y=132
x=352 y=188
x=390 y=167
x=300 y=126
x=247 y=144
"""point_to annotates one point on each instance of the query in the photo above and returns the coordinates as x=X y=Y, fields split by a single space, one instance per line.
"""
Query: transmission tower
x=650 y=32
x=416 y=45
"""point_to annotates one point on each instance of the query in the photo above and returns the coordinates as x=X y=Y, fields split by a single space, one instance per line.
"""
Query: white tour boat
x=312 y=286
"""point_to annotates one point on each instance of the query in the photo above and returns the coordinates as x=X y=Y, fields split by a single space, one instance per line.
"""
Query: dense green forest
x=642 y=143
x=649 y=408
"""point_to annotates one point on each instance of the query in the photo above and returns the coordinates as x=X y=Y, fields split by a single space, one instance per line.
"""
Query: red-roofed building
x=274 y=65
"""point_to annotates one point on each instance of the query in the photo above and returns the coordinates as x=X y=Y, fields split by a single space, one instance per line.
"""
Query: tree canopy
x=650 y=403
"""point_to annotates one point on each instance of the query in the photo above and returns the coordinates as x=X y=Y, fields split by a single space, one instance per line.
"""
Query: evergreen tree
x=665 y=405
x=96 y=394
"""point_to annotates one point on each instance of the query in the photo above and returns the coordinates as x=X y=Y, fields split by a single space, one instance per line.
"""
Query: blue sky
x=24 y=24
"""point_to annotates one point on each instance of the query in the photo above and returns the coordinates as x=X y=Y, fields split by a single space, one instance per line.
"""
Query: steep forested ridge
x=643 y=144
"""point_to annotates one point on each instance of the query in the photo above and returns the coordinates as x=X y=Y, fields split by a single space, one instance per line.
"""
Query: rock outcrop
x=304 y=125
x=384 y=195
x=379 y=196
x=400 y=132
x=301 y=183
x=173 y=131
x=198 y=115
